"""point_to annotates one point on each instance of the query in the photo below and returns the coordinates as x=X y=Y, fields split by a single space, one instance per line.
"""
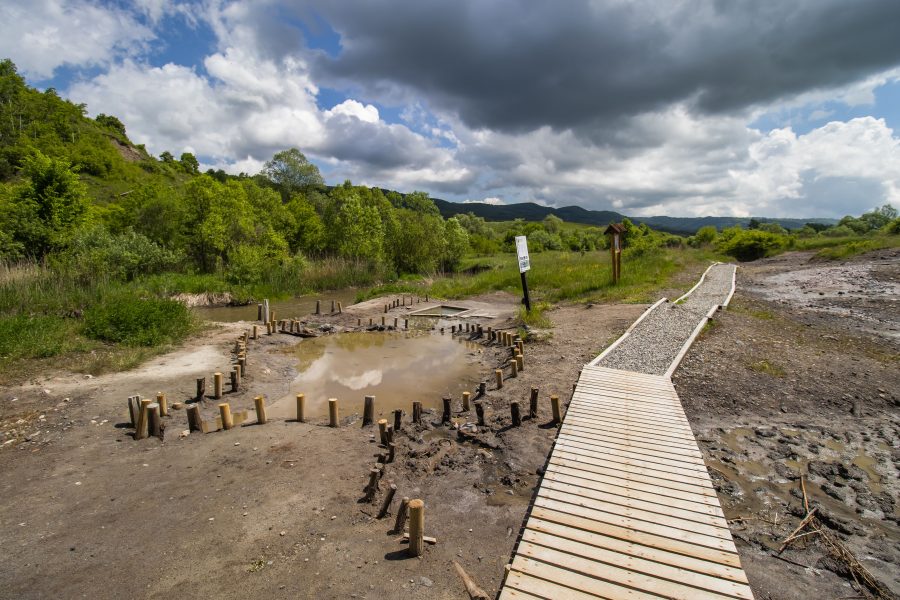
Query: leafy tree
x=751 y=244
x=457 y=244
x=358 y=231
x=111 y=122
x=48 y=207
x=189 y=163
x=290 y=172
x=706 y=235
x=552 y=224
x=166 y=157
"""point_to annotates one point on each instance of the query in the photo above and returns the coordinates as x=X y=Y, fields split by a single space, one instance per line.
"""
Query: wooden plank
x=581 y=393
x=635 y=426
x=591 y=399
x=651 y=576
x=695 y=539
x=601 y=444
x=600 y=452
x=572 y=581
x=633 y=464
x=594 y=432
x=654 y=554
x=627 y=474
x=547 y=589
x=637 y=393
x=510 y=590
x=607 y=373
x=625 y=417
x=601 y=429
x=664 y=501
x=638 y=486
x=621 y=435
x=570 y=519
x=637 y=514
x=625 y=407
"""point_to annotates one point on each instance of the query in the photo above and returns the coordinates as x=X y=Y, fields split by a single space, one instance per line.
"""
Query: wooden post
x=340 y=308
x=259 y=314
x=153 y=427
x=267 y=315
x=193 y=414
x=405 y=323
x=416 y=527
x=499 y=375
x=385 y=308
x=141 y=427
x=234 y=380
x=554 y=405
x=201 y=388
x=301 y=402
x=482 y=388
x=217 y=385
x=318 y=307
x=370 y=321
x=392 y=448
x=269 y=328
x=333 y=412
x=386 y=505
x=398 y=419
x=382 y=320
x=332 y=307
x=396 y=322
x=243 y=362
x=514 y=412
x=382 y=431
x=400 y=522
x=417 y=412
x=368 y=410
x=445 y=418
x=514 y=368
x=520 y=362
x=225 y=412
x=479 y=412
x=533 y=403
x=466 y=406
x=372 y=487
x=163 y=404
x=131 y=411
x=256 y=332
x=237 y=370
x=260 y=403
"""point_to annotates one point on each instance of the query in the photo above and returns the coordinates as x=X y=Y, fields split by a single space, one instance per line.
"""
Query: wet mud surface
x=278 y=510
x=785 y=384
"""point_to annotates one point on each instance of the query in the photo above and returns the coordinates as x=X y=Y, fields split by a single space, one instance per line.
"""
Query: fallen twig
x=475 y=592
x=809 y=516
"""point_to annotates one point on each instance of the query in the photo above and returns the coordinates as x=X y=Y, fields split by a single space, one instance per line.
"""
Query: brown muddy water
x=395 y=367
x=296 y=307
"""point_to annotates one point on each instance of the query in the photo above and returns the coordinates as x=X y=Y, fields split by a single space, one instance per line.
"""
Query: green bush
x=751 y=244
x=122 y=317
x=95 y=253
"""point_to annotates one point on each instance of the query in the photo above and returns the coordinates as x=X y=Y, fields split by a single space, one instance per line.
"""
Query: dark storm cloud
x=515 y=65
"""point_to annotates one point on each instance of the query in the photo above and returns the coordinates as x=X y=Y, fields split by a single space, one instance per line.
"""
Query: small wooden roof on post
x=615 y=228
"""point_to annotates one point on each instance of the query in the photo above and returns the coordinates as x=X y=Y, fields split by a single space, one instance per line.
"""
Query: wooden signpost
x=615 y=231
x=524 y=265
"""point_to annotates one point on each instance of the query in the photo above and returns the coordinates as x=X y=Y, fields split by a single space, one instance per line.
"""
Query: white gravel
x=653 y=344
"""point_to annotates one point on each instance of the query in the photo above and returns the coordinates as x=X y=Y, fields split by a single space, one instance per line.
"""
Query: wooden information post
x=615 y=231
x=524 y=265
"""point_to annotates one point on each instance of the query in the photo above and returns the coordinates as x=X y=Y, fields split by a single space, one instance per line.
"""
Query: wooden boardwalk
x=626 y=509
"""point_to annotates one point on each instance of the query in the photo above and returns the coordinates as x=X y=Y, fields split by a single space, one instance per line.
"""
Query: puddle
x=835 y=445
x=299 y=306
x=867 y=464
x=395 y=367
x=733 y=438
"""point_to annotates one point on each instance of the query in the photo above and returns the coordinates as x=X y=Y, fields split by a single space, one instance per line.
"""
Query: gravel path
x=653 y=344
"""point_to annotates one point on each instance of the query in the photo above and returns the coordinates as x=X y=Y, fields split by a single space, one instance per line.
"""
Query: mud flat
x=276 y=511
x=788 y=383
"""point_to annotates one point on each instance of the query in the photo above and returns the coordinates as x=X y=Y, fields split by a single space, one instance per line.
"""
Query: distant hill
x=530 y=211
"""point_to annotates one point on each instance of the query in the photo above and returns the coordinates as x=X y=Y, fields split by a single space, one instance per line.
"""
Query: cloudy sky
x=699 y=107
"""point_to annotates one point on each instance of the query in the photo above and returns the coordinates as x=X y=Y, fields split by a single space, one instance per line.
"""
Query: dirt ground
x=801 y=376
x=272 y=511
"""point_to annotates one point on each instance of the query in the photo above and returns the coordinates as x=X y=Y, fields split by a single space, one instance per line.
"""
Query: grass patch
x=769 y=368
x=556 y=276
x=858 y=246
x=135 y=321
x=536 y=317
x=25 y=336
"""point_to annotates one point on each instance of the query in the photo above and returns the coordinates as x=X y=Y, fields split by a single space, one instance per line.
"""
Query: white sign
x=522 y=251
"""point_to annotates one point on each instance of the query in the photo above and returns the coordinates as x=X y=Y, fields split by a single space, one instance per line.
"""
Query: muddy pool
x=395 y=367
x=296 y=307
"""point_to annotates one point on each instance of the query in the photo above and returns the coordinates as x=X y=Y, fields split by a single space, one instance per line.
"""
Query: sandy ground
x=800 y=377
x=271 y=511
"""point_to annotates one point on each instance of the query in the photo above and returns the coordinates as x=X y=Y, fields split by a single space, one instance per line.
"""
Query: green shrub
x=122 y=317
x=94 y=253
x=752 y=244
x=27 y=336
